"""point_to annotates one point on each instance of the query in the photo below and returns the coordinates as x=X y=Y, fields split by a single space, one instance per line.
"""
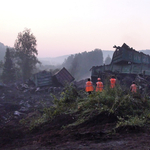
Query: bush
x=129 y=110
x=131 y=121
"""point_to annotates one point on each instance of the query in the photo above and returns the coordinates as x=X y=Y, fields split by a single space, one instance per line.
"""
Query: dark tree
x=80 y=64
x=68 y=61
x=2 y=51
x=107 y=60
x=1 y=64
x=25 y=46
x=8 y=74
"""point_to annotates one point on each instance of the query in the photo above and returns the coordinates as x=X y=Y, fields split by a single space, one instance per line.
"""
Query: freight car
x=45 y=78
x=126 y=63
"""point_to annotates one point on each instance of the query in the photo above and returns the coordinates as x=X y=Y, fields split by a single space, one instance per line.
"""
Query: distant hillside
x=59 y=60
x=53 y=60
x=45 y=61
x=147 y=51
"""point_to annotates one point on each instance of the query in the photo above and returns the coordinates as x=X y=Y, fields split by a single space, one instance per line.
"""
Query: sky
x=64 y=27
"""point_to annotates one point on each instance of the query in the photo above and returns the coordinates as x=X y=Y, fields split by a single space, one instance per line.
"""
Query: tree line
x=20 y=62
x=79 y=65
x=2 y=51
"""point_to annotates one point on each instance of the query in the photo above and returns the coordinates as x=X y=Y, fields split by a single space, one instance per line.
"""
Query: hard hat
x=98 y=78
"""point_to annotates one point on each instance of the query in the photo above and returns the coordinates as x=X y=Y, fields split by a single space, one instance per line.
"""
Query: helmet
x=98 y=78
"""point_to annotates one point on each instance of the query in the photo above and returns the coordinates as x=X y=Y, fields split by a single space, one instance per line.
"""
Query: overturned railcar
x=42 y=78
x=45 y=78
x=125 y=62
x=62 y=77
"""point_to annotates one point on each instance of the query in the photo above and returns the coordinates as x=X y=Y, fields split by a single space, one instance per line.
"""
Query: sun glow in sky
x=63 y=27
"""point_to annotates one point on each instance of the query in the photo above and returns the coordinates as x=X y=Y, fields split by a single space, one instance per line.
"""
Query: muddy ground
x=91 y=135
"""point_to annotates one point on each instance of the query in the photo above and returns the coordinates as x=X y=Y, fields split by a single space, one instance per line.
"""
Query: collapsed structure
x=45 y=78
x=127 y=64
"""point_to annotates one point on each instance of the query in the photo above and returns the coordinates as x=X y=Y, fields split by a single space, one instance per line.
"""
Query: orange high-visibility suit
x=89 y=86
x=133 y=88
x=99 y=86
x=112 y=82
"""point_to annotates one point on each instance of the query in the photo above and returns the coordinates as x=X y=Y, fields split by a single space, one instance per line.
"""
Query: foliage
x=8 y=74
x=1 y=64
x=1 y=69
x=25 y=46
x=107 y=60
x=2 y=51
x=130 y=110
x=79 y=64
x=131 y=121
x=66 y=104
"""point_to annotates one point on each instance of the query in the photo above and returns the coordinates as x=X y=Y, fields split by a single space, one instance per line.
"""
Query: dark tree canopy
x=8 y=74
x=25 y=46
x=79 y=65
x=107 y=60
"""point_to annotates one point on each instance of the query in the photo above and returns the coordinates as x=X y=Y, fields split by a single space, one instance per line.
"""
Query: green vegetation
x=107 y=60
x=20 y=61
x=79 y=64
x=25 y=51
x=131 y=110
x=8 y=74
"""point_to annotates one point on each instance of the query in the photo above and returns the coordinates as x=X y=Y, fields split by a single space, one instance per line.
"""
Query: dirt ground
x=91 y=135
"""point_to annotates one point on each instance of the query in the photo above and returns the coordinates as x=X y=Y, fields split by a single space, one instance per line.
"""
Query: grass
x=129 y=109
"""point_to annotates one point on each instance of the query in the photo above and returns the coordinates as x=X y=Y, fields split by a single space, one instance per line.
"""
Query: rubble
x=19 y=105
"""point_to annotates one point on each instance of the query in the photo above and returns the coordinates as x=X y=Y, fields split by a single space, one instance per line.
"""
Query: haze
x=64 y=27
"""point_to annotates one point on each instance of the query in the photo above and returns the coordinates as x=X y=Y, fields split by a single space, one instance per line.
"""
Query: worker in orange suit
x=99 y=85
x=133 y=87
x=112 y=82
x=89 y=86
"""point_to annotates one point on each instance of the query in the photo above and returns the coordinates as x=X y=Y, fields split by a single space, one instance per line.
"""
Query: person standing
x=99 y=85
x=112 y=82
x=89 y=86
x=133 y=87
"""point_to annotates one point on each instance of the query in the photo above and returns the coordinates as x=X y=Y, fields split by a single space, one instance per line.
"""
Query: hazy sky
x=64 y=27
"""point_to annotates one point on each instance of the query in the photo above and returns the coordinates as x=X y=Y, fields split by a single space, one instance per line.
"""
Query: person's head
x=89 y=79
x=112 y=76
x=98 y=79
x=133 y=82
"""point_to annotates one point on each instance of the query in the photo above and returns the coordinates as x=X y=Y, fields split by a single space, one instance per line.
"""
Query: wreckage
x=127 y=65
x=45 y=79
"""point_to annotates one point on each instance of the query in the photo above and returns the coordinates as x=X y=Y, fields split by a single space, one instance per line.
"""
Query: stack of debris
x=45 y=81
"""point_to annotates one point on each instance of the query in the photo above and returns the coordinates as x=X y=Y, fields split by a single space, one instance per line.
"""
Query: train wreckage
x=45 y=78
x=45 y=81
x=127 y=65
